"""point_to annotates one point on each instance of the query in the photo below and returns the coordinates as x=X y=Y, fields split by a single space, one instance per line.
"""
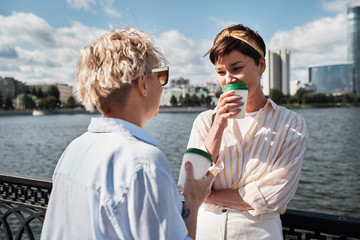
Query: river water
x=330 y=181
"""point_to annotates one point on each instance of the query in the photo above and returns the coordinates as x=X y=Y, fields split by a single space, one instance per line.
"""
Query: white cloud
x=336 y=6
x=89 y=5
x=7 y=51
x=316 y=43
x=222 y=23
x=47 y=54
x=81 y=4
x=109 y=9
x=184 y=57
x=26 y=27
x=33 y=51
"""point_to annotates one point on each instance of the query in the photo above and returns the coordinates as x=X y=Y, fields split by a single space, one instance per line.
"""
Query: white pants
x=233 y=224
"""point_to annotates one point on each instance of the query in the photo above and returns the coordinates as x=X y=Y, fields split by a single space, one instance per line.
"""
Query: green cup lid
x=235 y=86
x=200 y=152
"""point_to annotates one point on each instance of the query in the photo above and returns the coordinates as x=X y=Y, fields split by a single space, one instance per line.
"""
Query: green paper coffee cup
x=240 y=90
x=200 y=160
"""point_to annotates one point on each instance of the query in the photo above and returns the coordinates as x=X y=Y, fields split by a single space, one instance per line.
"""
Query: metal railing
x=309 y=225
x=23 y=204
x=22 y=207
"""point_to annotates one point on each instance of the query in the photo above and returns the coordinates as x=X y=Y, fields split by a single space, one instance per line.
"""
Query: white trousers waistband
x=243 y=214
x=233 y=224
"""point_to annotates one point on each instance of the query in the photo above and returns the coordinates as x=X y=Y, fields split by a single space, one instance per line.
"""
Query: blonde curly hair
x=106 y=69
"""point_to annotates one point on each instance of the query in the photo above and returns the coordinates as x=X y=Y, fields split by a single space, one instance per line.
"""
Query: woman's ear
x=141 y=85
x=262 y=65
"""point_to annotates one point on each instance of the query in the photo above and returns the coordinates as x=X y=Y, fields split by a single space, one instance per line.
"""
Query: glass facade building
x=332 y=79
x=342 y=78
x=353 y=42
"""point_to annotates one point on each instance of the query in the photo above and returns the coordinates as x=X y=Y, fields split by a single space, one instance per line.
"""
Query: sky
x=40 y=40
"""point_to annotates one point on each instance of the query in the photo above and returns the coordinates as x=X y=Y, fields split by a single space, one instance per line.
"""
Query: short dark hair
x=228 y=44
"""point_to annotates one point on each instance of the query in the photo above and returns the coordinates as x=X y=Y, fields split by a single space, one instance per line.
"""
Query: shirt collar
x=106 y=125
x=271 y=103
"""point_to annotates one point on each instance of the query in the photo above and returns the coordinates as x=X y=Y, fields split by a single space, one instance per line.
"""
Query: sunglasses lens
x=163 y=75
x=163 y=78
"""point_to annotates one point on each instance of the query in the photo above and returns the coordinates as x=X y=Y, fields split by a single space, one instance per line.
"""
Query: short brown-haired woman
x=257 y=159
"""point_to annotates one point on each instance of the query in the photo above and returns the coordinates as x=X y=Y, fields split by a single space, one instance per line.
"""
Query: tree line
x=190 y=100
x=303 y=98
x=37 y=99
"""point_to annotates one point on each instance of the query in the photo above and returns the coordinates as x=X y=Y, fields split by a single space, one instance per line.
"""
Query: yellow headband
x=241 y=35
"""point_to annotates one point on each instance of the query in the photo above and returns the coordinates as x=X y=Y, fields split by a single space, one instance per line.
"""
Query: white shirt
x=245 y=123
x=263 y=164
x=113 y=183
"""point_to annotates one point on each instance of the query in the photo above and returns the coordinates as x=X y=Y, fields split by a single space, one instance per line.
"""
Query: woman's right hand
x=228 y=101
x=195 y=191
x=229 y=105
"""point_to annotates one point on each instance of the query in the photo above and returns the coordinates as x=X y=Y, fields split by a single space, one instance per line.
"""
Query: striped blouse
x=265 y=164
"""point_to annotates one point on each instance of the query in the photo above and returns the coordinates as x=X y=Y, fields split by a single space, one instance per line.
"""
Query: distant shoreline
x=184 y=109
x=162 y=109
x=46 y=112
x=81 y=111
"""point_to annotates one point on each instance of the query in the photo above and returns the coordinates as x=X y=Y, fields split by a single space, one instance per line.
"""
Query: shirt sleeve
x=275 y=190
x=154 y=206
x=199 y=131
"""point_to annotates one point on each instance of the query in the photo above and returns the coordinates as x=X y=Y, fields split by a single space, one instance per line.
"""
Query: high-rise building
x=353 y=42
x=277 y=73
x=342 y=78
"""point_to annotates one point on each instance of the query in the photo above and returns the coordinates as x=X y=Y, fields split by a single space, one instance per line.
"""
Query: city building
x=18 y=100
x=338 y=79
x=10 y=87
x=64 y=90
x=277 y=72
x=332 y=79
x=180 y=82
x=168 y=93
x=181 y=87
x=353 y=42
x=213 y=87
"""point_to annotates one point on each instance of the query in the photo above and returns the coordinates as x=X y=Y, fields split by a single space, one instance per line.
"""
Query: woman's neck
x=256 y=100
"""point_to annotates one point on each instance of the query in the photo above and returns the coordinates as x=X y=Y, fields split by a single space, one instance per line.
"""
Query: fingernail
x=239 y=110
x=240 y=97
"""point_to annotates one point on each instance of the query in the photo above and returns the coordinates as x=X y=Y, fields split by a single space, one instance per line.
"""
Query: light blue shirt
x=113 y=183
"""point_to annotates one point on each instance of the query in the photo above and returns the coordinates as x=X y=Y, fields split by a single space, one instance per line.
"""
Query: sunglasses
x=163 y=75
